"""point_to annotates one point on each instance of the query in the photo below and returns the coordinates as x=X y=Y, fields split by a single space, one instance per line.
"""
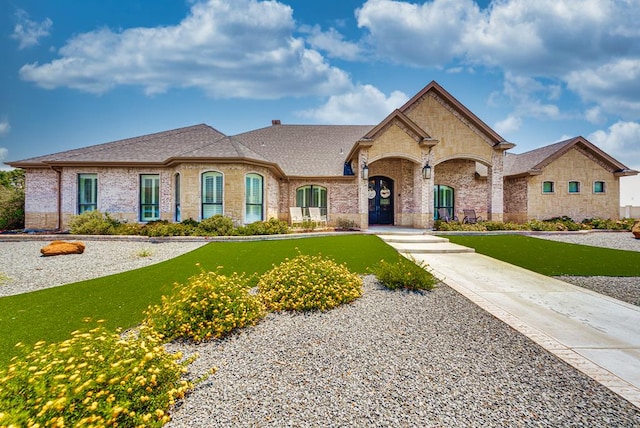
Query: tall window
x=253 y=198
x=177 y=215
x=149 y=197
x=211 y=194
x=548 y=187
x=598 y=187
x=87 y=192
x=574 y=187
x=312 y=196
x=443 y=197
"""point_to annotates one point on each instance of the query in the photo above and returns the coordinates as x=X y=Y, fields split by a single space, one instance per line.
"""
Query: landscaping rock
x=636 y=229
x=57 y=248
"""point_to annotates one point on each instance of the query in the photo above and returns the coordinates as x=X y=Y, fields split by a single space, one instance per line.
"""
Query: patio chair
x=316 y=216
x=443 y=214
x=296 y=217
x=470 y=217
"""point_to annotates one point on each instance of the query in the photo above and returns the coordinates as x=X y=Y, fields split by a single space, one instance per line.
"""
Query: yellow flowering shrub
x=95 y=378
x=404 y=273
x=308 y=283
x=209 y=306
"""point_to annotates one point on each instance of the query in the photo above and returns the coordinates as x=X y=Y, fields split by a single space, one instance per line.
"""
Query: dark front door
x=380 y=200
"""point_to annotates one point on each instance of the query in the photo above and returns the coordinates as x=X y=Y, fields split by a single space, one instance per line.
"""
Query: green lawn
x=553 y=258
x=119 y=299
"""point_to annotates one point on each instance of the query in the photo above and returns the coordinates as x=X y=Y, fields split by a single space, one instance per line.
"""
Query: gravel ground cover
x=28 y=271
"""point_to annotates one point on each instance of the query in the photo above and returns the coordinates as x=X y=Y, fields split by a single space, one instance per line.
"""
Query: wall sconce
x=365 y=171
x=426 y=171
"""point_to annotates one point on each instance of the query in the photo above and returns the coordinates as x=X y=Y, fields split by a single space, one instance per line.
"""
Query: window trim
x=177 y=190
x=323 y=209
x=247 y=203
x=80 y=201
x=155 y=205
x=204 y=204
x=553 y=187
x=604 y=187
x=578 y=187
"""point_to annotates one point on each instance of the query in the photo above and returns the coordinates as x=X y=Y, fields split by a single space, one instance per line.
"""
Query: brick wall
x=470 y=191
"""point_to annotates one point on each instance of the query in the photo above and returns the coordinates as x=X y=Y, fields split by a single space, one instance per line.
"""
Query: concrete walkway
x=596 y=334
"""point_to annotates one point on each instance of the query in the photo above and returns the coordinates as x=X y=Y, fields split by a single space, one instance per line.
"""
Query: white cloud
x=331 y=42
x=364 y=105
x=3 y=153
x=508 y=125
x=5 y=127
x=530 y=96
x=27 y=32
x=621 y=140
x=428 y=34
x=240 y=48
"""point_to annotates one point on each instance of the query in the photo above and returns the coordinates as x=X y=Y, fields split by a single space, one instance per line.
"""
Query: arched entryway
x=443 y=197
x=381 y=196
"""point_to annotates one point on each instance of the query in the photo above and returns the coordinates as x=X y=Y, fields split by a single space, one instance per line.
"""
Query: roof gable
x=534 y=161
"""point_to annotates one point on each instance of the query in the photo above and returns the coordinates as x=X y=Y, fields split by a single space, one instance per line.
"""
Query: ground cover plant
x=120 y=299
x=95 y=378
x=308 y=282
x=208 y=305
x=553 y=258
x=404 y=273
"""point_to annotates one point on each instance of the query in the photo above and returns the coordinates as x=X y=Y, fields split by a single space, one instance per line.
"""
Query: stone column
x=495 y=183
x=425 y=190
x=363 y=187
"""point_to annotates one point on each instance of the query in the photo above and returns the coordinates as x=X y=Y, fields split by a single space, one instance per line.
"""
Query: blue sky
x=75 y=73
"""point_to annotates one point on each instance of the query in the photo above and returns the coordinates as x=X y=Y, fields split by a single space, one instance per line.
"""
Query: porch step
x=423 y=244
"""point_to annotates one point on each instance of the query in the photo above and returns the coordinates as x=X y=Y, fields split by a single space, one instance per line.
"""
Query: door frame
x=377 y=195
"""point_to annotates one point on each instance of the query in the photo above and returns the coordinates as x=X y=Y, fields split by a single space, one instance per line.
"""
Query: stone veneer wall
x=575 y=165
x=470 y=191
x=515 y=200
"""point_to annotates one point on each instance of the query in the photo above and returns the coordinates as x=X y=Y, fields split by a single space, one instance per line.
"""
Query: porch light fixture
x=365 y=171
x=426 y=171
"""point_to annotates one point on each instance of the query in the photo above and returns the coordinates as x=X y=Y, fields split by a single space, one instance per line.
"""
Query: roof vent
x=276 y=122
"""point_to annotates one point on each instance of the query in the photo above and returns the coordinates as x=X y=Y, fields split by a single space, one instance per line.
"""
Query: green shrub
x=128 y=229
x=273 y=226
x=190 y=222
x=209 y=306
x=93 y=223
x=11 y=208
x=404 y=273
x=95 y=378
x=166 y=228
x=218 y=225
x=608 y=224
x=456 y=226
x=308 y=283
x=345 y=224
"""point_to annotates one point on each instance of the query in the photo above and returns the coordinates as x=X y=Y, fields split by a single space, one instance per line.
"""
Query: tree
x=12 y=199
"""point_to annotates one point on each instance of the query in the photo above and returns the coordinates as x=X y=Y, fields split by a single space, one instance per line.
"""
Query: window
x=574 y=187
x=87 y=192
x=312 y=196
x=177 y=215
x=253 y=198
x=149 y=197
x=443 y=197
x=548 y=187
x=598 y=187
x=211 y=194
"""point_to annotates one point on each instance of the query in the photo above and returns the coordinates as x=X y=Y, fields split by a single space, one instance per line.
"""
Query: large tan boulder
x=636 y=229
x=57 y=248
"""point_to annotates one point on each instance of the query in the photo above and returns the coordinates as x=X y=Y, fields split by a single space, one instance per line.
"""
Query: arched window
x=211 y=194
x=443 y=197
x=312 y=196
x=253 y=198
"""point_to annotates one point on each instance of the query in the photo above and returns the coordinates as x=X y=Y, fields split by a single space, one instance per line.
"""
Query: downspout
x=59 y=174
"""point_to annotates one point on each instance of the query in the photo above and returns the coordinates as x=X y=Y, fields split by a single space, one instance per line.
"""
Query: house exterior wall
x=394 y=142
x=41 y=199
x=470 y=191
x=516 y=200
x=342 y=198
x=575 y=165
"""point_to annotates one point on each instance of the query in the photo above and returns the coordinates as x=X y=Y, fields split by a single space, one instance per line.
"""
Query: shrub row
x=101 y=378
x=98 y=223
x=556 y=224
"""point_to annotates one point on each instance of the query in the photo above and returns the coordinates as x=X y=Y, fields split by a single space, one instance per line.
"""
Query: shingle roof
x=298 y=150
x=305 y=150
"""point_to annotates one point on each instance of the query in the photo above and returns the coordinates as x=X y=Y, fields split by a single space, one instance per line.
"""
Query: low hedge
x=556 y=224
